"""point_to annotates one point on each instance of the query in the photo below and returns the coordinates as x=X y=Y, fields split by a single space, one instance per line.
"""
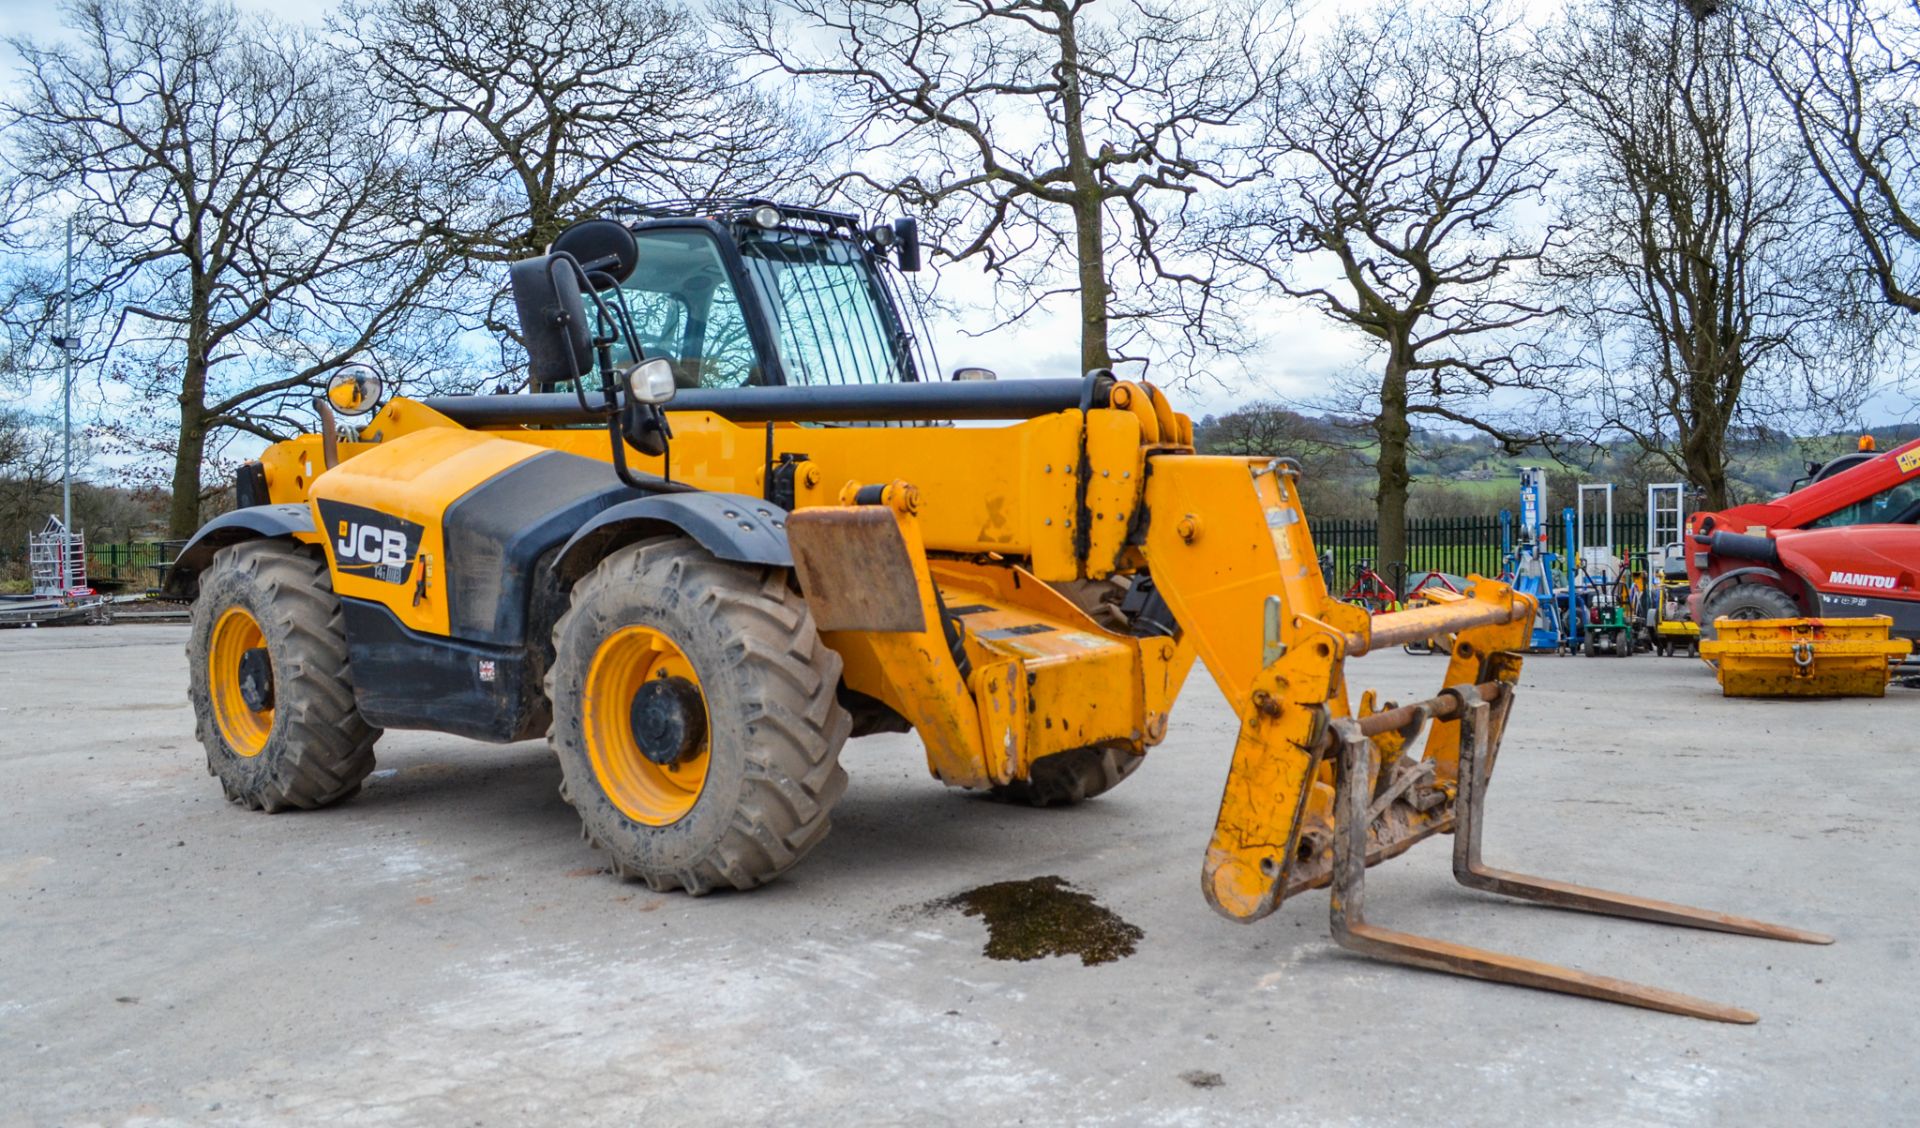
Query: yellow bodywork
x=1685 y=629
x=985 y=525
x=1804 y=657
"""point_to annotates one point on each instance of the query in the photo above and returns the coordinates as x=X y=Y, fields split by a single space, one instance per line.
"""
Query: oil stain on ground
x=1045 y=916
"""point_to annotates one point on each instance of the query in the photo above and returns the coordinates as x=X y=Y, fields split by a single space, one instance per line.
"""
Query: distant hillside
x=1466 y=474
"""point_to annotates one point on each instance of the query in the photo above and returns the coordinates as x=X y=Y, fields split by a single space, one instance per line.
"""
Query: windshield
x=832 y=324
x=832 y=317
x=1887 y=505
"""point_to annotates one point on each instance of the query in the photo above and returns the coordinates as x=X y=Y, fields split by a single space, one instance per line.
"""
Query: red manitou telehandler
x=1808 y=577
x=1847 y=544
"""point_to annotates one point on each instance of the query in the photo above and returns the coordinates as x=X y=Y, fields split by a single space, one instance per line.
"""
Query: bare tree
x=1270 y=428
x=229 y=186
x=532 y=113
x=1850 y=72
x=1056 y=142
x=1258 y=429
x=1327 y=449
x=1406 y=158
x=31 y=465
x=30 y=476
x=1707 y=293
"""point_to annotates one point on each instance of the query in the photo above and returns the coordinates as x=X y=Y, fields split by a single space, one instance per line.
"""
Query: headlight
x=651 y=381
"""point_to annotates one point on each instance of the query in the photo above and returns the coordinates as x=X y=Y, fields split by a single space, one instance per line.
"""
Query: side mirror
x=906 y=240
x=651 y=382
x=553 y=318
x=606 y=251
x=975 y=374
x=354 y=390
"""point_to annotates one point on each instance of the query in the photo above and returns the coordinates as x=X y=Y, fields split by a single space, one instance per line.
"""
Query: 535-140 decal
x=366 y=542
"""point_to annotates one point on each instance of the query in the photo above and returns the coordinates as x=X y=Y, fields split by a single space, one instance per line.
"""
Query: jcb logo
x=366 y=542
x=370 y=545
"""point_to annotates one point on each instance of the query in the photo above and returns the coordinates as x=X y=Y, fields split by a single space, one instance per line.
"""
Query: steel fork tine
x=1346 y=914
x=1470 y=871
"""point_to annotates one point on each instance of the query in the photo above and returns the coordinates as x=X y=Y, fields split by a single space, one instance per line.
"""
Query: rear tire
x=1065 y=778
x=768 y=765
x=1100 y=599
x=310 y=747
x=1748 y=601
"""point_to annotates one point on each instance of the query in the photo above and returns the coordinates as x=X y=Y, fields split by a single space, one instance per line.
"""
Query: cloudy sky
x=1301 y=351
x=1302 y=348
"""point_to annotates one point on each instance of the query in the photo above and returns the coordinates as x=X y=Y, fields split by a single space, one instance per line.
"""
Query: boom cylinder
x=1396 y=628
x=821 y=403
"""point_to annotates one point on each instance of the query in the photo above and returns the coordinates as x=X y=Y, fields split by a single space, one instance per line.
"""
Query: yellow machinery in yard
x=1805 y=657
x=744 y=529
x=1670 y=626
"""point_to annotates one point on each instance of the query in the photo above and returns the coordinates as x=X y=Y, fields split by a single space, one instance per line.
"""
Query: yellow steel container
x=1804 y=657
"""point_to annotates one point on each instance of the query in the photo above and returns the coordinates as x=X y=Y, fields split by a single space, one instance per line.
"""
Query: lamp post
x=66 y=422
x=68 y=344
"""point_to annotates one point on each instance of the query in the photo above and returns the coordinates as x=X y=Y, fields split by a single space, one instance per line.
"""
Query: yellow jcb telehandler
x=737 y=518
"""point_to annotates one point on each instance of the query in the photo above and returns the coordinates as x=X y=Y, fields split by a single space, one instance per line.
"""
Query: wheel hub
x=256 y=679
x=669 y=720
x=646 y=726
x=240 y=682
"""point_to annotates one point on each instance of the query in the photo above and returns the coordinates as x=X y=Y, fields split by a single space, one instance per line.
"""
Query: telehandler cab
x=746 y=529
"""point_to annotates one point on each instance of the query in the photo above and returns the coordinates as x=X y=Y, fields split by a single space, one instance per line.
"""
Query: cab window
x=684 y=308
x=1885 y=506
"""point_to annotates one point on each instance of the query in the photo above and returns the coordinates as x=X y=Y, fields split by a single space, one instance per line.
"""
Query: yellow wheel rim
x=244 y=729
x=646 y=792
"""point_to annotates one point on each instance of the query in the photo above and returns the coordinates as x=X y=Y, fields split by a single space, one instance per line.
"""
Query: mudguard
x=1715 y=583
x=734 y=527
x=232 y=528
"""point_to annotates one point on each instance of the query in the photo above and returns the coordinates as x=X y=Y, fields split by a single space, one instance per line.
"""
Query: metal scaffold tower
x=57 y=559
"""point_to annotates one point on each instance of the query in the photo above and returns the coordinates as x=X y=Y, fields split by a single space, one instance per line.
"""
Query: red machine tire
x=1748 y=601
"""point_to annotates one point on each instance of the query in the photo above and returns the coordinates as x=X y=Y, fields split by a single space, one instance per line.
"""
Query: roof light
x=765 y=216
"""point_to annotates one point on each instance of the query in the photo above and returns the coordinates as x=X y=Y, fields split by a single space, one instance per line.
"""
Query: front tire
x=1748 y=601
x=267 y=674
x=723 y=660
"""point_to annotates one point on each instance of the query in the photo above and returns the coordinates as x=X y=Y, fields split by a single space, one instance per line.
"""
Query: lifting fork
x=1480 y=711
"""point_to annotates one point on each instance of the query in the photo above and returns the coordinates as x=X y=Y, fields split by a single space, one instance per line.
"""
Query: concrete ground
x=443 y=949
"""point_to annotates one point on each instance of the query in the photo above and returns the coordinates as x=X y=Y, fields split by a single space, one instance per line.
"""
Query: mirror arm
x=616 y=431
x=329 y=433
x=648 y=482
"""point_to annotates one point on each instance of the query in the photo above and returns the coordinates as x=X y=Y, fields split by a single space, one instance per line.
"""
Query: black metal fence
x=1459 y=546
x=132 y=564
x=125 y=565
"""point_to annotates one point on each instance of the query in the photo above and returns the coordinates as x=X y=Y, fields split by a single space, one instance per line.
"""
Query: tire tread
x=793 y=775
x=323 y=751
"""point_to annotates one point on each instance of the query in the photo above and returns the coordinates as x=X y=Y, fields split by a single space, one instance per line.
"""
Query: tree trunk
x=1090 y=243
x=1707 y=467
x=1712 y=393
x=183 y=515
x=1089 y=221
x=1392 y=478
